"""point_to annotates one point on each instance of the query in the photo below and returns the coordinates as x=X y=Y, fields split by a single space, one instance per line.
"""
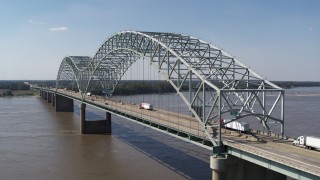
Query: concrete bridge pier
x=94 y=127
x=49 y=97
x=83 y=118
x=233 y=168
x=108 y=123
x=53 y=99
x=218 y=166
x=45 y=95
x=41 y=94
x=63 y=104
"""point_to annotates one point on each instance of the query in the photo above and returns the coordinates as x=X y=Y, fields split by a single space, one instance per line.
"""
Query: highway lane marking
x=294 y=155
x=267 y=147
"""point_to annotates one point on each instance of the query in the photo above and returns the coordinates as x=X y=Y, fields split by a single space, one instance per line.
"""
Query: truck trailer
x=308 y=142
x=235 y=125
x=146 y=106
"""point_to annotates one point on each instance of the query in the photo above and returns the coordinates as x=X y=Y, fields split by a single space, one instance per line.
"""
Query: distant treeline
x=43 y=83
x=14 y=85
x=292 y=84
x=143 y=87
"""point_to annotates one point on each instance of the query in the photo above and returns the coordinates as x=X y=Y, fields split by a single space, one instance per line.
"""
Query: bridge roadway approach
x=267 y=155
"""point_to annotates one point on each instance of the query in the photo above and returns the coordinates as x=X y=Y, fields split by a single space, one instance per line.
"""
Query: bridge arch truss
x=219 y=86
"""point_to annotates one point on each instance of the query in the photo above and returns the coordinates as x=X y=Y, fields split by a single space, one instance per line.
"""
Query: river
x=302 y=109
x=38 y=143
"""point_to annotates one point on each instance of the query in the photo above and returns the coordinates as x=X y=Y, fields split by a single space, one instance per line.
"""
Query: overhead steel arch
x=77 y=69
x=219 y=85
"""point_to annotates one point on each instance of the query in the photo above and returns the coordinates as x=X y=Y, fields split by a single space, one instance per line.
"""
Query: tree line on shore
x=292 y=84
x=14 y=85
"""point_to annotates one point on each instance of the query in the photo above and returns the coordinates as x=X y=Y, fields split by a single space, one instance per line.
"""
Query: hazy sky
x=279 y=39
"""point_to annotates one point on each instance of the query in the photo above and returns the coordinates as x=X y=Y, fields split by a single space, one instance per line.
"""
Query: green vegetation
x=143 y=87
x=4 y=93
x=44 y=83
x=14 y=85
x=15 y=88
x=292 y=84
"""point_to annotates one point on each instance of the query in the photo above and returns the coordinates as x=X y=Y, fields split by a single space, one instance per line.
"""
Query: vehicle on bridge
x=308 y=142
x=235 y=125
x=146 y=106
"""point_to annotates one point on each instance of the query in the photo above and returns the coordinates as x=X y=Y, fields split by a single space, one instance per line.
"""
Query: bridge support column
x=218 y=166
x=41 y=94
x=49 y=97
x=45 y=95
x=53 y=99
x=108 y=123
x=83 y=118
x=233 y=168
x=63 y=104
x=94 y=127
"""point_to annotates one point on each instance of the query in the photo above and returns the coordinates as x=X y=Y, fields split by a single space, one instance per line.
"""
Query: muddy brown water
x=38 y=143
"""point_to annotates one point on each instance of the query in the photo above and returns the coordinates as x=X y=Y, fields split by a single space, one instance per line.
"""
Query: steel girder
x=75 y=69
x=218 y=84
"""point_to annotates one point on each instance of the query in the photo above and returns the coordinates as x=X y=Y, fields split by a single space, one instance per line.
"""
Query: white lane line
x=294 y=155
x=267 y=147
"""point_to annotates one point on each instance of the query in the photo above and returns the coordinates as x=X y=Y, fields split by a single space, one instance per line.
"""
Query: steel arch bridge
x=218 y=84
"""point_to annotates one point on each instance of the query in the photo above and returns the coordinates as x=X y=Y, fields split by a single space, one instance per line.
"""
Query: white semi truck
x=146 y=106
x=309 y=142
x=235 y=125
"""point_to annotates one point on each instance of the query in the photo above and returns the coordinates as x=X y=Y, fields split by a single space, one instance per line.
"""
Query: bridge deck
x=262 y=145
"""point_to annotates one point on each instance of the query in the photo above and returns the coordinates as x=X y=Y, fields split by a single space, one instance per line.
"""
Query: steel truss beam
x=218 y=84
